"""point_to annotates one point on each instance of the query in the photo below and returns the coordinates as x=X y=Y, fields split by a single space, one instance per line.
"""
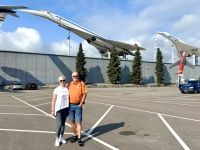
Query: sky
x=130 y=21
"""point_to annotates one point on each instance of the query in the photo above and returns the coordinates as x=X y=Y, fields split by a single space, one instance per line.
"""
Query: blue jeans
x=75 y=113
x=61 y=116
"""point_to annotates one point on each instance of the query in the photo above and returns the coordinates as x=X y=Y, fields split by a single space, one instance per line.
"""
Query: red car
x=30 y=86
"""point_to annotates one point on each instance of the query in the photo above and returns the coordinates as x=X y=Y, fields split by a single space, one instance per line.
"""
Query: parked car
x=16 y=86
x=191 y=86
x=29 y=86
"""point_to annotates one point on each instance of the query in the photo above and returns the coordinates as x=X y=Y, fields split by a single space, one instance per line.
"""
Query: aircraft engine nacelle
x=105 y=44
x=131 y=53
x=100 y=42
x=88 y=40
x=7 y=11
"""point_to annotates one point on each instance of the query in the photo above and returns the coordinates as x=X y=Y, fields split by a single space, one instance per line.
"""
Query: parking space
x=113 y=118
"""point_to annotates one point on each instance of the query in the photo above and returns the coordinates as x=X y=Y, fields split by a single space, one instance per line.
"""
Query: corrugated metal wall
x=45 y=69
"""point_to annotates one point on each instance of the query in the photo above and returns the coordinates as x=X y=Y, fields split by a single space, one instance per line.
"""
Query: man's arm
x=84 y=90
x=83 y=99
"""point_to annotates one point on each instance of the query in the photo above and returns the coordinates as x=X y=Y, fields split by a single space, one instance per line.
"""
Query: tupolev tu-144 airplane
x=184 y=51
x=102 y=44
x=181 y=46
x=5 y=10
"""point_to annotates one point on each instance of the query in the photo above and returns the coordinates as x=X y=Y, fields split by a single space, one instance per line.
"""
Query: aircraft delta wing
x=102 y=44
x=181 y=46
x=4 y=10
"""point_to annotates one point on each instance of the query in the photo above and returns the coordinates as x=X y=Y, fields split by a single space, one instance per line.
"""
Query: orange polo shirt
x=76 y=91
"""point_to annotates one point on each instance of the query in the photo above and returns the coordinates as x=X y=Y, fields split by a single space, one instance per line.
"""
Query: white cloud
x=62 y=47
x=23 y=39
x=90 y=51
x=29 y=40
x=186 y=22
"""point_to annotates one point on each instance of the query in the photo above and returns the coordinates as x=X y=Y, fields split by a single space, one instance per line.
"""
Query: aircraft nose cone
x=28 y=11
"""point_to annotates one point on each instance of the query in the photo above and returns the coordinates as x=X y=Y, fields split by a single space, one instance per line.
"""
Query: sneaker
x=61 y=140
x=57 y=143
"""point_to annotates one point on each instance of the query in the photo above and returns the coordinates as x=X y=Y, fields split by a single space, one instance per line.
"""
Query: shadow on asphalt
x=104 y=129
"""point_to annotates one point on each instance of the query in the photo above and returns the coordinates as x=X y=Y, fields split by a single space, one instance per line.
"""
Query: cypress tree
x=114 y=68
x=136 y=75
x=80 y=63
x=159 y=69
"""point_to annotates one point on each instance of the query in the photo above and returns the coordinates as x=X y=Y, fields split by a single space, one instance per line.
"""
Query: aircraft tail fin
x=2 y=18
x=187 y=63
x=174 y=64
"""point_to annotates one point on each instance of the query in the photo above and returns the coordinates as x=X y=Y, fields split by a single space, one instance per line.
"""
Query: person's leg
x=59 y=123
x=79 y=129
x=73 y=125
x=58 y=128
x=78 y=116
x=64 y=113
x=64 y=116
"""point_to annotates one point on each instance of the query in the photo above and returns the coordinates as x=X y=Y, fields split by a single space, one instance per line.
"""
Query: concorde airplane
x=8 y=10
x=181 y=46
x=102 y=44
x=183 y=51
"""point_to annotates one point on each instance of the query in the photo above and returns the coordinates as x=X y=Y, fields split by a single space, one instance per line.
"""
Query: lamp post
x=69 y=42
x=172 y=53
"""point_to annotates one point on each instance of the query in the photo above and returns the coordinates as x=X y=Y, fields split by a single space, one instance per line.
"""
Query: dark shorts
x=75 y=113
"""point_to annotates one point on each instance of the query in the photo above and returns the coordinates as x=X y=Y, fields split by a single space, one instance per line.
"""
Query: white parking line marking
x=102 y=142
x=147 y=100
x=11 y=106
x=22 y=114
x=89 y=132
x=181 y=117
x=10 y=101
x=47 y=93
x=150 y=112
x=31 y=131
x=190 y=102
x=174 y=133
x=42 y=104
x=33 y=107
x=94 y=138
x=27 y=93
x=36 y=99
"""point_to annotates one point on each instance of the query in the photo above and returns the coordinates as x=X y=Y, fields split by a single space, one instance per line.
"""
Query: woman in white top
x=59 y=108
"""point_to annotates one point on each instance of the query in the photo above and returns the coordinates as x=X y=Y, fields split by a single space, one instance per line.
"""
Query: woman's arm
x=53 y=104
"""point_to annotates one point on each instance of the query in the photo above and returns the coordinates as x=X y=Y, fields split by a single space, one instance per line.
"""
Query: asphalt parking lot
x=153 y=118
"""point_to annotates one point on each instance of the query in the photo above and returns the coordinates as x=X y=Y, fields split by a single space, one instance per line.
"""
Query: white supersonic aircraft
x=102 y=44
x=5 y=10
x=181 y=46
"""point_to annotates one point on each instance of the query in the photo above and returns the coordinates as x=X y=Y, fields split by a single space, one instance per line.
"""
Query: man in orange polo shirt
x=77 y=95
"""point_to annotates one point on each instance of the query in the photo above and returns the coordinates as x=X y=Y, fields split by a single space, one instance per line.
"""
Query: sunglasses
x=62 y=80
x=75 y=76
